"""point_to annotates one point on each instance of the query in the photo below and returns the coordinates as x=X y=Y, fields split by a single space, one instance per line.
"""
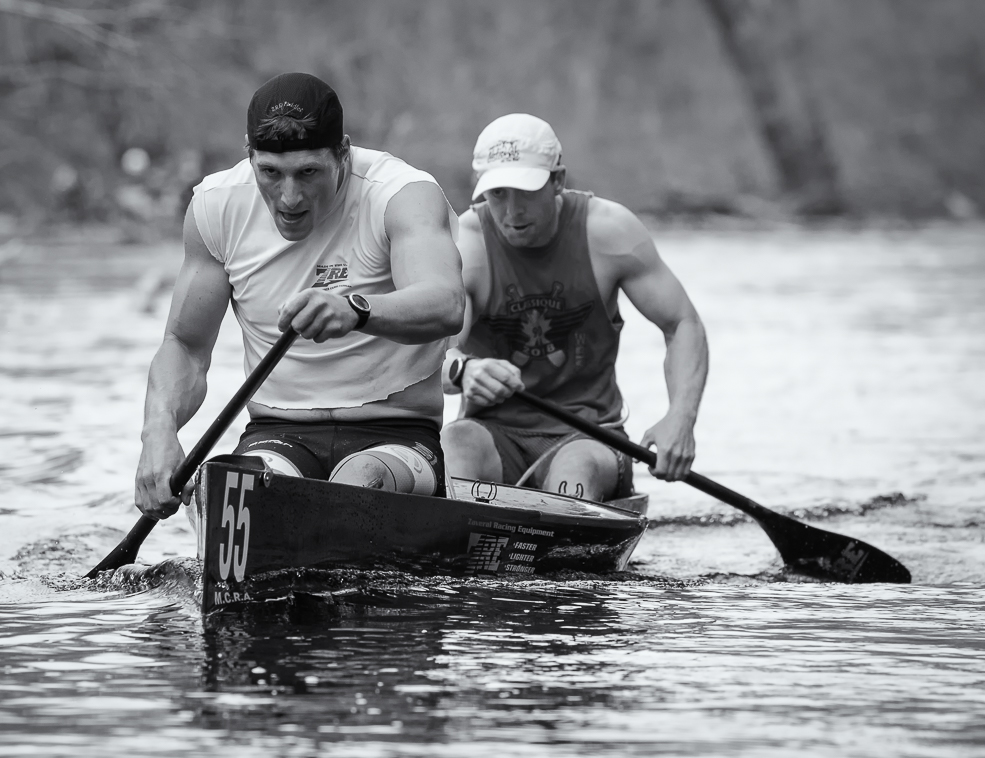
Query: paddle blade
x=807 y=549
x=126 y=552
x=829 y=556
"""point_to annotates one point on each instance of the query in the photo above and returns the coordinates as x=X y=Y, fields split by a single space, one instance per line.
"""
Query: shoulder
x=471 y=227
x=475 y=262
x=471 y=242
x=218 y=192
x=416 y=201
x=367 y=164
x=218 y=201
x=198 y=251
x=240 y=175
x=613 y=229
x=398 y=192
x=381 y=169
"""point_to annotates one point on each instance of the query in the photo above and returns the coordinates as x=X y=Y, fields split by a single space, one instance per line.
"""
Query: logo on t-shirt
x=331 y=276
x=536 y=327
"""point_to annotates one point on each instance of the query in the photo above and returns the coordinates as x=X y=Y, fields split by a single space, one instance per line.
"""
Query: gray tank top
x=546 y=316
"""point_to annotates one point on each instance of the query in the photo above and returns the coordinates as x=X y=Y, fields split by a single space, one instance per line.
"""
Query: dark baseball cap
x=301 y=96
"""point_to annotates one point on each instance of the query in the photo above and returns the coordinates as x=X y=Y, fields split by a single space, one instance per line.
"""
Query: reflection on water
x=845 y=390
x=623 y=668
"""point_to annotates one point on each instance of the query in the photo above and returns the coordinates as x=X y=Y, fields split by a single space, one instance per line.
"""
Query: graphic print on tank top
x=538 y=326
x=331 y=276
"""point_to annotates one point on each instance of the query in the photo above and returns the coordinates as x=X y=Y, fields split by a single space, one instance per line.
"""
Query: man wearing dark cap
x=543 y=268
x=352 y=248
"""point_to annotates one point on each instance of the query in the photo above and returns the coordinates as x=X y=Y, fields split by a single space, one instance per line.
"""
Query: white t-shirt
x=348 y=252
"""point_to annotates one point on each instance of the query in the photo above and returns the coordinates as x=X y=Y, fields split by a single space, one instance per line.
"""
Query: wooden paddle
x=126 y=551
x=804 y=548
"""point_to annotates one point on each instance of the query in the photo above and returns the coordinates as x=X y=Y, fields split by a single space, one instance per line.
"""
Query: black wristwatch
x=457 y=370
x=362 y=308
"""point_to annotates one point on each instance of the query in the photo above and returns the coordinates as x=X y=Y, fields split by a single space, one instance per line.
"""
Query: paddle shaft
x=640 y=453
x=126 y=551
x=197 y=456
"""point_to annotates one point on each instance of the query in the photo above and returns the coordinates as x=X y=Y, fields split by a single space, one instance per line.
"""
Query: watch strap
x=362 y=314
x=458 y=370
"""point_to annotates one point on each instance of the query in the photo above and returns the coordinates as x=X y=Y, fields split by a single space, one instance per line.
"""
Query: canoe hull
x=252 y=525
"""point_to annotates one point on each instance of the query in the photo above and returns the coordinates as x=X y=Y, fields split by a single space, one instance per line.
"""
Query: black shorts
x=519 y=448
x=315 y=448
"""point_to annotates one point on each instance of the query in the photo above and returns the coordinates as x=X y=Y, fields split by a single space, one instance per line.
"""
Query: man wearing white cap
x=543 y=267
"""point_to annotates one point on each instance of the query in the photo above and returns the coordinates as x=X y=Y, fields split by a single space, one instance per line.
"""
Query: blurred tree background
x=112 y=109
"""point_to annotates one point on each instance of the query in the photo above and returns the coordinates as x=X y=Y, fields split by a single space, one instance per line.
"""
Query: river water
x=846 y=389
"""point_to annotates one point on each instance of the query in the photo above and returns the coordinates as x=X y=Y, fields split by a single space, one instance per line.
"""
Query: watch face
x=359 y=302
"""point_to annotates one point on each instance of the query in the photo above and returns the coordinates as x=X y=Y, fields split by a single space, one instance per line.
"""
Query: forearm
x=176 y=387
x=418 y=313
x=686 y=368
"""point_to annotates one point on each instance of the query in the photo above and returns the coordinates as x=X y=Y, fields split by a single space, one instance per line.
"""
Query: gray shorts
x=519 y=448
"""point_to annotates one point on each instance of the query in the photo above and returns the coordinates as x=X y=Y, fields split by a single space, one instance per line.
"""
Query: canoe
x=260 y=532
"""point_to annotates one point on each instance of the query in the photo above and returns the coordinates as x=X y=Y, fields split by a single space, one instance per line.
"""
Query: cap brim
x=528 y=179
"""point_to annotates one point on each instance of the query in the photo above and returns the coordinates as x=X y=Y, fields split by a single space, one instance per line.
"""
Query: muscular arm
x=428 y=303
x=486 y=381
x=176 y=384
x=652 y=287
x=472 y=252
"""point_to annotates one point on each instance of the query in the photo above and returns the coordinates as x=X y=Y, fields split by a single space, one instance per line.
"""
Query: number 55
x=230 y=554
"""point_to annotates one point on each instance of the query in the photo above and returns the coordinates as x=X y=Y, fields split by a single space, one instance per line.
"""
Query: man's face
x=298 y=187
x=525 y=218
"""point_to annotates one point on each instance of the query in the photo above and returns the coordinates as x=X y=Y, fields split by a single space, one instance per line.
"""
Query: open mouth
x=291 y=217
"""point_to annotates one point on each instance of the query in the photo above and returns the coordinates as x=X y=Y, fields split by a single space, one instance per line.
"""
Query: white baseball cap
x=517 y=150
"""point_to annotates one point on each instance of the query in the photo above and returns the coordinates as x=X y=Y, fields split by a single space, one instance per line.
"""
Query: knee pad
x=396 y=468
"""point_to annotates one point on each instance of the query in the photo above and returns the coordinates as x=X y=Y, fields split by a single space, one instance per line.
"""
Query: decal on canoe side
x=491 y=553
x=233 y=552
x=512 y=528
x=223 y=596
x=484 y=551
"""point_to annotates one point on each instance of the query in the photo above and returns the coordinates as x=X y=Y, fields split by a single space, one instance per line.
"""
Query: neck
x=343 y=170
